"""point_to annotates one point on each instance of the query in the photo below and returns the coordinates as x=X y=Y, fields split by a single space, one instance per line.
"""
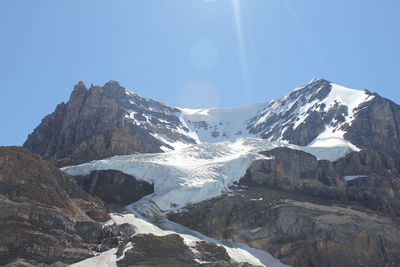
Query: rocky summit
x=111 y=178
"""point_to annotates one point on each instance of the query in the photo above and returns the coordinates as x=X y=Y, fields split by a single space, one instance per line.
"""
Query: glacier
x=193 y=173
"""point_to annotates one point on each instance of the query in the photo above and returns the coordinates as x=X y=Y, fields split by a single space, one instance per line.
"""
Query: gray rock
x=95 y=124
x=295 y=171
x=171 y=251
x=114 y=187
x=377 y=188
x=300 y=231
x=45 y=217
x=376 y=126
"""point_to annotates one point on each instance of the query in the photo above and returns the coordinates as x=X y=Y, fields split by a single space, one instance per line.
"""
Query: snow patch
x=220 y=124
x=105 y=259
x=352 y=177
x=255 y=230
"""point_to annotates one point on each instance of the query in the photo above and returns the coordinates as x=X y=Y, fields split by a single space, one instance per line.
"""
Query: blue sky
x=193 y=53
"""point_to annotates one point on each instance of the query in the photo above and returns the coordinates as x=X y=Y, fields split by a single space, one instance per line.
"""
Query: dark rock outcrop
x=366 y=162
x=114 y=187
x=376 y=126
x=45 y=217
x=295 y=171
x=171 y=251
x=298 y=230
x=375 y=183
x=95 y=124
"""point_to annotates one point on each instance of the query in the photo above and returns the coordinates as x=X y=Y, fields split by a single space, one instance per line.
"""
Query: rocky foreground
x=46 y=219
x=304 y=213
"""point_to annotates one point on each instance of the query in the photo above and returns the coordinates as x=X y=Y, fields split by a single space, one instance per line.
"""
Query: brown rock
x=91 y=125
x=302 y=232
x=39 y=209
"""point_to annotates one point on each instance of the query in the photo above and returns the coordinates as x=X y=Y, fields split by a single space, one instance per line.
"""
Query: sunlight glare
x=242 y=48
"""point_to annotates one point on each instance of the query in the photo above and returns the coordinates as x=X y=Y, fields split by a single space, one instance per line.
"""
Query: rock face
x=95 y=123
x=290 y=169
x=114 y=187
x=171 y=251
x=283 y=114
x=377 y=126
x=300 y=231
x=366 y=162
x=374 y=177
x=42 y=212
x=308 y=212
x=367 y=120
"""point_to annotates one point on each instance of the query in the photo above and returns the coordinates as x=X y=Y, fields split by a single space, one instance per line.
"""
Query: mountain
x=100 y=122
x=310 y=179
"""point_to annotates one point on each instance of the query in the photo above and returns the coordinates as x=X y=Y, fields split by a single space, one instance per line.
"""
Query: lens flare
x=242 y=49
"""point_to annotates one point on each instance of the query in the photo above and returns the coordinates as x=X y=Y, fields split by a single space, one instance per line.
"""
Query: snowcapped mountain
x=279 y=176
x=104 y=121
x=317 y=114
x=206 y=151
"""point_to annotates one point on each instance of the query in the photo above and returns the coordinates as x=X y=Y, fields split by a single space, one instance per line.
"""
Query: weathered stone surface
x=114 y=187
x=368 y=161
x=376 y=126
x=45 y=217
x=295 y=171
x=154 y=250
x=91 y=125
x=171 y=251
x=377 y=187
x=25 y=178
x=301 y=231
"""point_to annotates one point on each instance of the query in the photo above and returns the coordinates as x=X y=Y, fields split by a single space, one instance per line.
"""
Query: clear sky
x=192 y=53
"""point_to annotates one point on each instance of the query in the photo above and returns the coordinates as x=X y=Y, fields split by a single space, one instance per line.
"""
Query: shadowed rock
x=114 y=187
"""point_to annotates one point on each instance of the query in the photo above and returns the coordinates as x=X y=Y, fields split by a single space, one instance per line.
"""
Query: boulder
x=170 y=251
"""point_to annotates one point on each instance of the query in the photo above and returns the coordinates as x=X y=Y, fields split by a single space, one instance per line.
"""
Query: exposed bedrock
x=171 y=251
x=45 y=217
x=300 y=231
x=92 y=125
x=114 y=187
x=308 y=212
x=376 y=126
x=374 y=175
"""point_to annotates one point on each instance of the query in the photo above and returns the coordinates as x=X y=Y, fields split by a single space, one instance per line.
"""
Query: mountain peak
x=79 y=89
x=112 y=83
x=317 y=79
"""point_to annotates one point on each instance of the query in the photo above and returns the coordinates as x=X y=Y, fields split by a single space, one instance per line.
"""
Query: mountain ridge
x=97 y=120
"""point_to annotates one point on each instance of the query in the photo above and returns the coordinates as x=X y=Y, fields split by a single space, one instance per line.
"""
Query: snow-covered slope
x=220 y=124
x=316 y=114
x=195 y=173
